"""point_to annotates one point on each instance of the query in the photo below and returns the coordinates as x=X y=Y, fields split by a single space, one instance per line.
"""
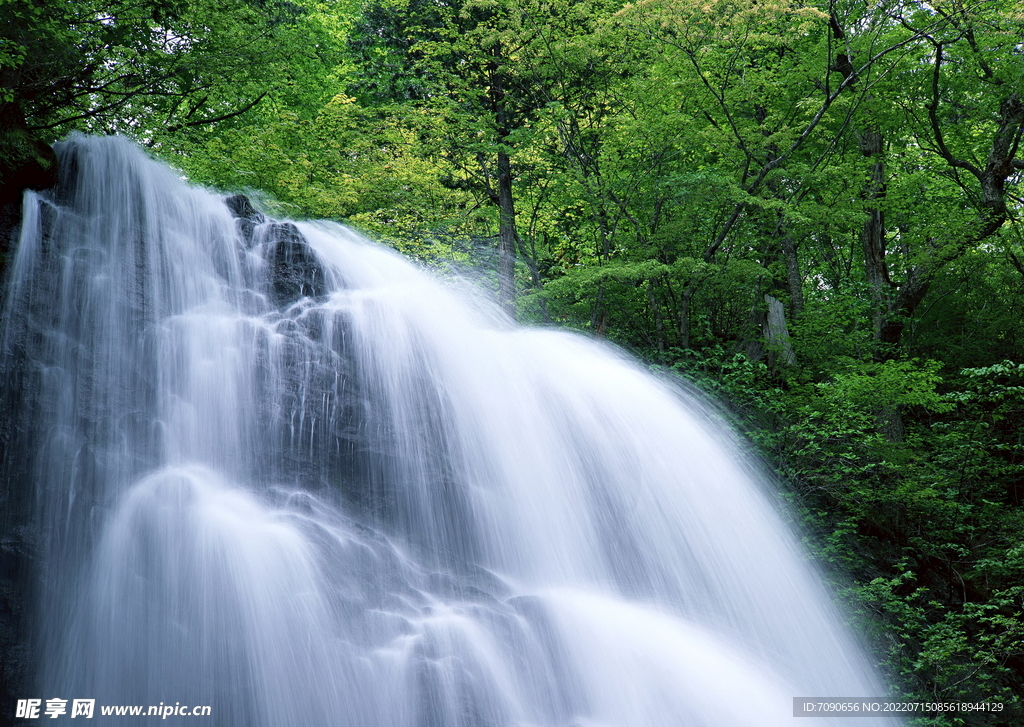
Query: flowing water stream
x=278 y=470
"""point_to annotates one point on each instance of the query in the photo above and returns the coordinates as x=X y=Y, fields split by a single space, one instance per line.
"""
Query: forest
x=810 y=211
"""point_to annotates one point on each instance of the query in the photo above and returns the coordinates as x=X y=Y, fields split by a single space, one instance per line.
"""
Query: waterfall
x=276 y=469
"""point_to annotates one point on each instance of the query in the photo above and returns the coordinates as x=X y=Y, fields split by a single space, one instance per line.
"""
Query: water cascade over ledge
x=276 y=469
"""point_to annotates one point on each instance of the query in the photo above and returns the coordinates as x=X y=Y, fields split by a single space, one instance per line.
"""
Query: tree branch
x=223 y=117
x=933 y=117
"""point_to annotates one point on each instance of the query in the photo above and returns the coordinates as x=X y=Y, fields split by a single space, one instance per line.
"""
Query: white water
x=382 y=507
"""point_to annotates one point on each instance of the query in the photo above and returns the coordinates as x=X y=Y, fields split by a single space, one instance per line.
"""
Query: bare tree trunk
x=777 y=333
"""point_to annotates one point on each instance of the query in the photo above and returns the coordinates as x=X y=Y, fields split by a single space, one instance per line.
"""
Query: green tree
x=941 y=144
x=486 y=69
x=131 y=65
x=141 y=67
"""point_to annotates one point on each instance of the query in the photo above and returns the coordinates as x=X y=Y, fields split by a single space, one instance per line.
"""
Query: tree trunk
x=876 y=271
x=794 y=281
x=777 y=332
x=506 y=206
x=659 y=324
x=684 y=315
x=506 y=236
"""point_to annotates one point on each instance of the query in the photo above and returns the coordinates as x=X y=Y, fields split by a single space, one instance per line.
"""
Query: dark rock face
x=242 y=208
x=295 y=272
x=246 y=216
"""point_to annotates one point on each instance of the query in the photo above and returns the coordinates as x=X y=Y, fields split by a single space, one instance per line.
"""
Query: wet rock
x=295 y=271
x=247 y=216
x=242 y=208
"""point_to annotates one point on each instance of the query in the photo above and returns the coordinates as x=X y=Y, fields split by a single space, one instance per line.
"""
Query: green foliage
x=872 y=386
x=963 y=653
x=943 y=505
x=145 y=66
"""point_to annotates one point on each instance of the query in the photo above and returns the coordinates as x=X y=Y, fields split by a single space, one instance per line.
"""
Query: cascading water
x=277 y=470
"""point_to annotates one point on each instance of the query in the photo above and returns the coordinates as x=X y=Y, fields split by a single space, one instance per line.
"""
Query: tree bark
x=684 y=314
x=876 y=272
x=659 y=324
x=506 y=236
x=506 y=205
x=777 y=333
x=794 y=281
